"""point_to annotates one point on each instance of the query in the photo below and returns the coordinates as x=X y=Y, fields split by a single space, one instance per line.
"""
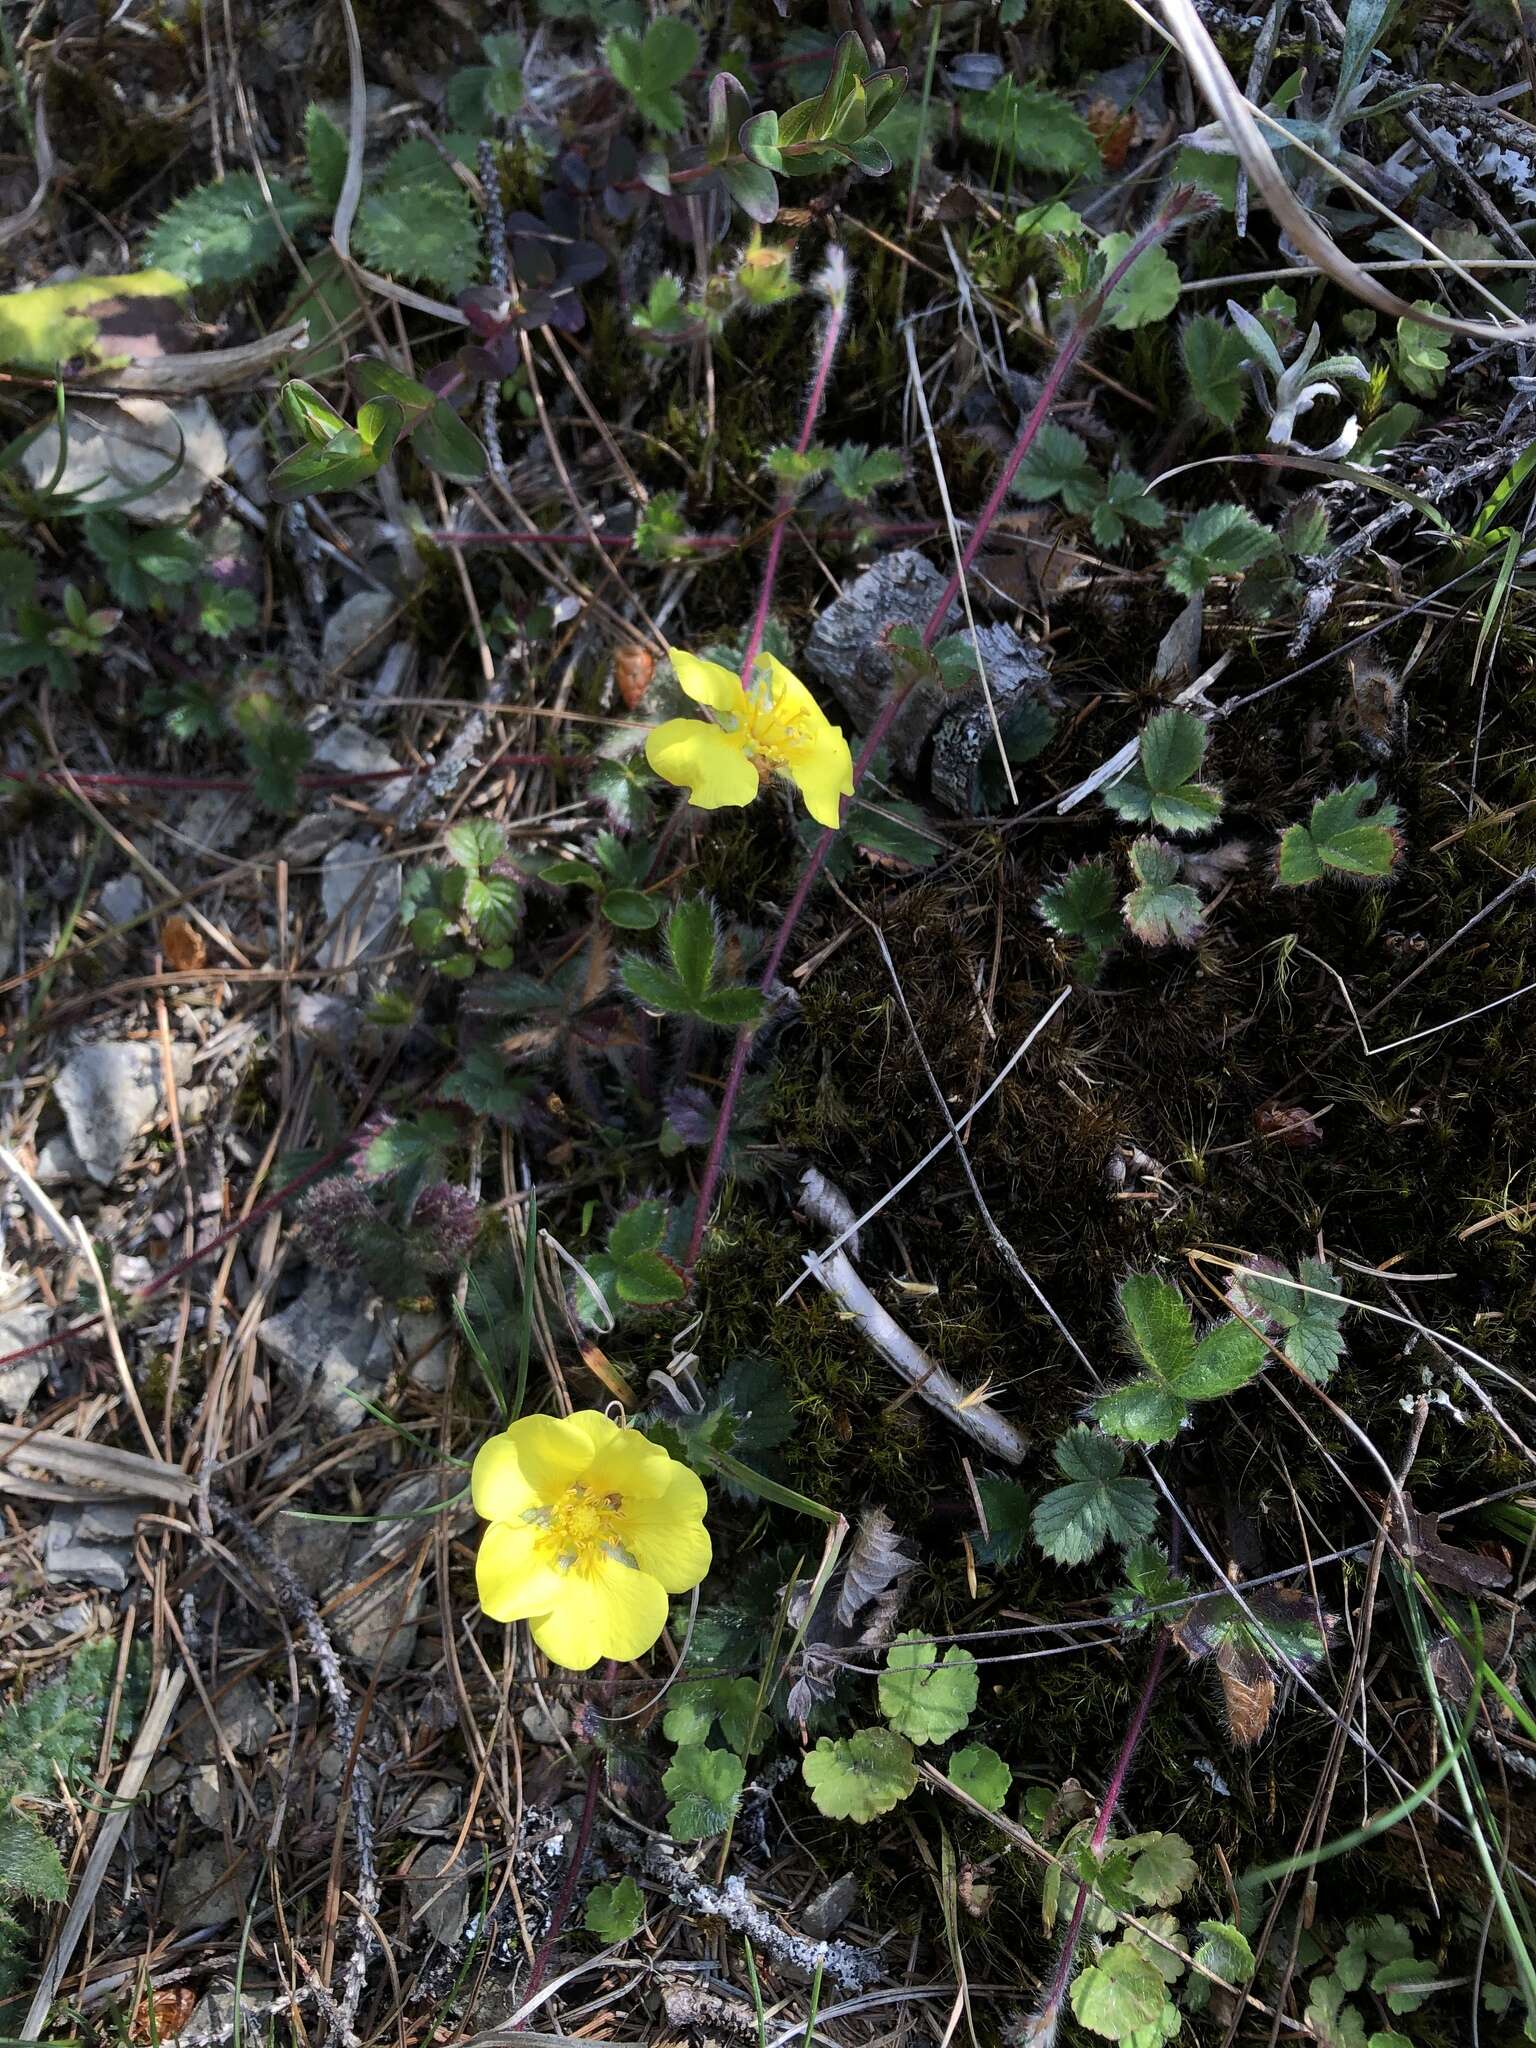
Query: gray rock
x=205 y=1871
x=348 y=750
x=91 y=1545
x=216 y=821
x=358 y=627
x=203 y=1794
x=327 y=1347
x=846 y=654
x=245 y=1720
x=314 y=1552
x=20 y=1327
x=329 y=1022
x=424 y=1341
x=121 y=899
x=438 y=1890
x=108 y=1093
x=131 y=443
x=218 y=2017
x=59 y=1164
x=361 y=887
x=830 y=1908
x=433 y=1807
x=377 y=1626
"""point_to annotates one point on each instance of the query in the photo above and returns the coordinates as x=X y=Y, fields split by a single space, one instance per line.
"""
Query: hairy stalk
x=833 y=283
x=1172 y=211
x=1056 y=1991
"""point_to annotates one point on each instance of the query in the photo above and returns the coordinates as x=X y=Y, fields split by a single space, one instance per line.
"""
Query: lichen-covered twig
x=856 y=1969
x=923 y=1374
x=305 y=1616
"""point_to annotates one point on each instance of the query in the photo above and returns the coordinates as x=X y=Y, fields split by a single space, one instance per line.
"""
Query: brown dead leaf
x=1247 y=1691
x=182 y=944
x=633 y=668
x=161 y=2015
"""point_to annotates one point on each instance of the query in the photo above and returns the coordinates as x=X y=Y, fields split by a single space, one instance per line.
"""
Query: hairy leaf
x=224 y=234
x=1341 y=835
x=1161 y=910
x=705 y=1789
x=1098 y=1505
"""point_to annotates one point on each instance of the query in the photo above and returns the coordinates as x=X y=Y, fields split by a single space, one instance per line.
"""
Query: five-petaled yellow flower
x=592 y=1527
x=775 y=727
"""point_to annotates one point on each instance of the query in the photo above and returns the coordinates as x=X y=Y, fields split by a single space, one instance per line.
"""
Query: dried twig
x=731 y=1903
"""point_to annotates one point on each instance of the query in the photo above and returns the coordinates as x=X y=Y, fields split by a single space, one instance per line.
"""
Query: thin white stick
x=928 y=1157
x=1372 y=1051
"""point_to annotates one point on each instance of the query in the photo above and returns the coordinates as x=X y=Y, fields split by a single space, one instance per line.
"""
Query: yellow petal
x=822 y=771
x=706 y=682
x=702 y=759
x=595 y=1427
x=607 y=1609
x=529 y=1464
x=667 y=1537
x=630 y=1465
x=791 y=699
x=510 y=1578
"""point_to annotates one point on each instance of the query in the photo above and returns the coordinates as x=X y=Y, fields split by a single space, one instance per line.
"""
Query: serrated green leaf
x=493 y=905
x=1161 y=910
x=1422 y=360
x=1226 y=1359
x=980 y=1771
x=647 y=1279
x=1160 y=1323
x=926 y=1697
x=1098 y=1505
x=483 y=1084
x=1214 y=354
x=325 y=148
x=1085 y=905
x=1126 y=502
x=224 y=609
x=1312 y=1339
x=1142 y=1413
x=1343 y=836
x=1148 y=292
x=1118 y=1994
x=29 y=1863
x=657 y=987
x=614 y=1911
x=1223 y=540
x=475 y=843
x=1057 y=466
x=1159 y=786
x=639 y=1229
x=1163 y=1871
x=1036 y=129
x=1007 y=1506
x=860 y=1776
x=418 y=223
x=1398 y=1981
x=705 y=1789
x=731 y=1008
x=693 y=941
x=1225 y=1950
x=647 y=68
x=224 y=234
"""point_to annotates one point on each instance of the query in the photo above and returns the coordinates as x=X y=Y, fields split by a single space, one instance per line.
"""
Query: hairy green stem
x=1173 y=209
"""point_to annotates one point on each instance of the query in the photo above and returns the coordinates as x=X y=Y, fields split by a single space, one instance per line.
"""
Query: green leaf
x=858 y=472
x=1214 y=354
x=415 y=1146
x=647 y=1279
x=493 y=906
x=1118 y=1994
x=18 y=576
x=1159 y=786
x=1148 y=292
x=1057 y=466
x=1098 y=1505
x=223 y=610
x=418 y=222
x=1126 y=503
x=326 y=149
x=1035 y=129
x=1163 y=1871
x=339 y=464
x=980 y=1771
x=754 y=189
x=693 y=942
x=858 y=1777
x=443 y=442
x=1223 y=540
x=731 y=1008
x=1007 y=1510
x=1422 y=360
x=1312 y=1341
x=475 y=843
x=225 y=234
x=1085 y=905
x=29 y=1863
x=1225 y=1950
x=1226 y=1358
x=614 y=1911
x=1142 y=1413
x=1161 y=910
x=639 y=1229
x=1160 y=1323
x=1343 y=836
x=631 y=911
x=310 y=412
x=142 y=563
x=648 y=68
x=923 y=1696
x=483 y=1084
x=705 y=1789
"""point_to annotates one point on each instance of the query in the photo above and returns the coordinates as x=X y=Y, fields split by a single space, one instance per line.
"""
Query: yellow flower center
x=579 y=1528
x=773 y=733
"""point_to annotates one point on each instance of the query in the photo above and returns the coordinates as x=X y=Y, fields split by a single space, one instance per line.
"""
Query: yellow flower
x=774 y=728
x=591 y=1528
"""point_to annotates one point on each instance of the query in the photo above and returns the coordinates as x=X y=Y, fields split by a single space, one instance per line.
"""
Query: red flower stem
x=573 y=1870
x=831 y=334
x=1173 y=208
x=1062 y=1975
